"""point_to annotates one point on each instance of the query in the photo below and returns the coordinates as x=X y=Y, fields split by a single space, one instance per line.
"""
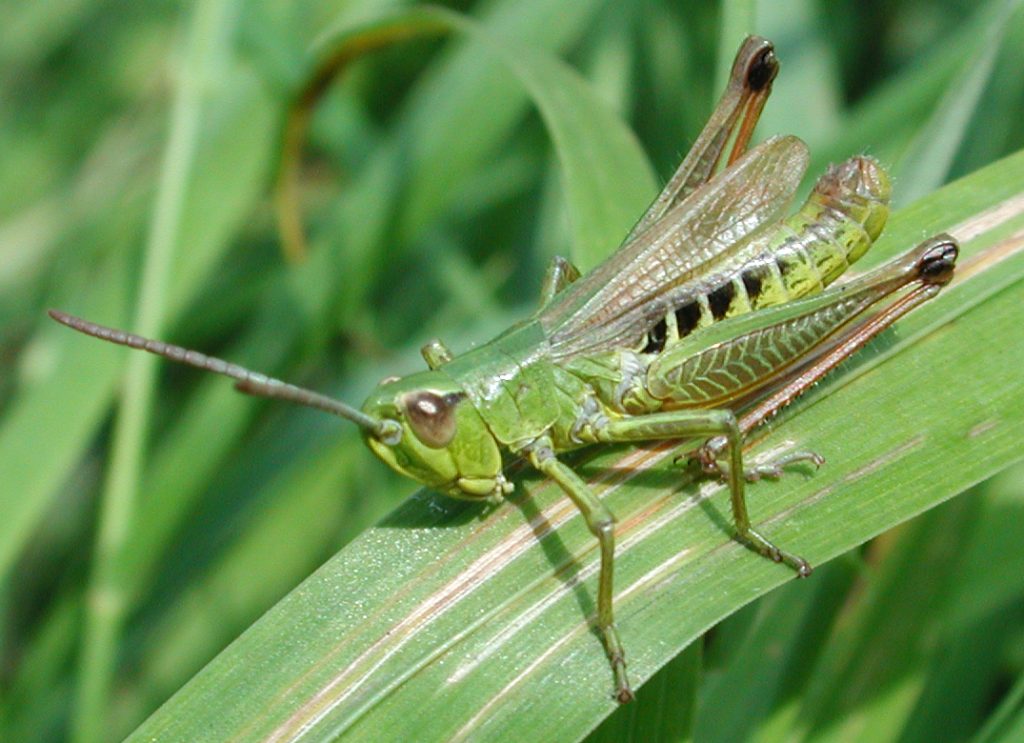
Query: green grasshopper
x=713 y=306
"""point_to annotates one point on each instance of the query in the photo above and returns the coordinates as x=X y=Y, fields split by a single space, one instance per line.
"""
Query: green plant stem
x=107 y=601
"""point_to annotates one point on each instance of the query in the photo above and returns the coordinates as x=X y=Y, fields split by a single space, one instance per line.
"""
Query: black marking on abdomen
x=720 y=299
x=787 y=263
x=687 y=318
x=753 y=281
x=656 y=337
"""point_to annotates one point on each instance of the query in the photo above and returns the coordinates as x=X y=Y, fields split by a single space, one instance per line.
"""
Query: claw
x=758 y=543
x=708 y=454
x=623 y=691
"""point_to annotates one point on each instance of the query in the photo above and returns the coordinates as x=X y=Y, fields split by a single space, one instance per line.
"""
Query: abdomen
x=794 y=258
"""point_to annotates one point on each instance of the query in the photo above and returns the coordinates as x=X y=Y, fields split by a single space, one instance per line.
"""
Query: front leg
x=602 y=525
x=683 y=424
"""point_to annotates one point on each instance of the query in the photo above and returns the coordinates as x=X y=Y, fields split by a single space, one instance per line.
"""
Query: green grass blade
x=472 y=101
x=109 y=584
x=926 y=163
x=1007 y=722
x=40 y=440
x=739 y=19
x=491 y=612
x=806 y=96
x=869 y=686
x=962 y=661
x=665 y=713
x=607 y=177
x=72 y=386
x=773 y=657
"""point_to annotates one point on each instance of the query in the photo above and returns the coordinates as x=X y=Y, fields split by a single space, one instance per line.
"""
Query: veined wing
x=737 y=113
x=611 y=306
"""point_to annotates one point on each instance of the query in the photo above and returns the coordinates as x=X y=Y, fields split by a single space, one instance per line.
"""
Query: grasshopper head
x=440 y=439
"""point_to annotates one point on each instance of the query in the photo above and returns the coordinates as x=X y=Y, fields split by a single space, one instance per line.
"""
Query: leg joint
x=603 y=527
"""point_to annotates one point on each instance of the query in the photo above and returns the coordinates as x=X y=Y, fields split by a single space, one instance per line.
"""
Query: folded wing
x=614 y=304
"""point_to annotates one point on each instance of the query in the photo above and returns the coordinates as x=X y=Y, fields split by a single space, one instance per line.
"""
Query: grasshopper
x=710 y=318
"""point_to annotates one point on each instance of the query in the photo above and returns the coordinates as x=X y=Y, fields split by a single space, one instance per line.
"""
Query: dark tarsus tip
x=939 y=261
x=763 y=70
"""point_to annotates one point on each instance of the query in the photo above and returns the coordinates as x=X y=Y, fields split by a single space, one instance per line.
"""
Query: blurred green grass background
x=433 y=204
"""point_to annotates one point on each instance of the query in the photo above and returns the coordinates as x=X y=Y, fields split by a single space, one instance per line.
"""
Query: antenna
x=246 y=380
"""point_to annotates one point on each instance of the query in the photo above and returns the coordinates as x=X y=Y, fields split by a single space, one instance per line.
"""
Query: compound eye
x=432 y=416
